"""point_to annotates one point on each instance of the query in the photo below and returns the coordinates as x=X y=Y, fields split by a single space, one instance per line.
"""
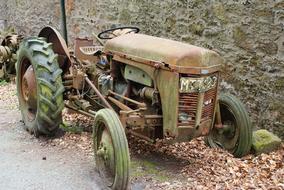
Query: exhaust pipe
x=63 y=21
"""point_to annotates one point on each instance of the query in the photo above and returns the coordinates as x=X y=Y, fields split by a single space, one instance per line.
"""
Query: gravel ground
x=190 y=165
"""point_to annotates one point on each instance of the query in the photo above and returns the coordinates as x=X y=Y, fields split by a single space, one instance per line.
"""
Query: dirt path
x=26 y=164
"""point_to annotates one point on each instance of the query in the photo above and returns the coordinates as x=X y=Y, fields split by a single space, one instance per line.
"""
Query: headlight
x=188 y=84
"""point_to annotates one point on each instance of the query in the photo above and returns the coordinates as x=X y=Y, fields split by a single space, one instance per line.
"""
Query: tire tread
x=48 y=76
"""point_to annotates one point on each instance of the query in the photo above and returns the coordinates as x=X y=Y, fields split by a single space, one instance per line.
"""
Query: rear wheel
x=39 y=86
x=111 y=150
x=235 y=135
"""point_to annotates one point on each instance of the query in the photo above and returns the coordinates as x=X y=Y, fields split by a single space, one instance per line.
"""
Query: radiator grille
x=188 y=105
x=208 y=109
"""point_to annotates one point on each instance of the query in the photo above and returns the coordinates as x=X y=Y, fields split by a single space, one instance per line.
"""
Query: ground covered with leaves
x=204 y=168
x=189 y=165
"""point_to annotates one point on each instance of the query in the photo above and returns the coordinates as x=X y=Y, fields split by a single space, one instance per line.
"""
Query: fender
x=59 y=46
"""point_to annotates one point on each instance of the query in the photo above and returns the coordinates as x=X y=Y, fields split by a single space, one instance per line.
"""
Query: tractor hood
x=162 y=50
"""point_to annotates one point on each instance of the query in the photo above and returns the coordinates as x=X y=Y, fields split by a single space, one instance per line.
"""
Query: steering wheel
x=114 y=32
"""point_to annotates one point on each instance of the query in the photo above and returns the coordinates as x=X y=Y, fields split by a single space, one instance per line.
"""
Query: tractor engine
x=132 y=89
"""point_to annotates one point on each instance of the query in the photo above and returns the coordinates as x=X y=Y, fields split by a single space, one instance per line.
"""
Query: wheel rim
x=226 y=137
x=28 y=90
x=105 y=156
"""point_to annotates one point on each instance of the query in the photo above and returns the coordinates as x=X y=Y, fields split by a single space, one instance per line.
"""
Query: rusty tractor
x=150 y=87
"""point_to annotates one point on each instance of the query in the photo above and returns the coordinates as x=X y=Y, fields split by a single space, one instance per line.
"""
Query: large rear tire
x=39 y=86
x=111 y=150
x=236 y=134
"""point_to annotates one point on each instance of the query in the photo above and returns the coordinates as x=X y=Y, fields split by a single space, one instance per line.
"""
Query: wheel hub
x=225 y=135
x=105 y=155
x=29 y=91
x=102 y=152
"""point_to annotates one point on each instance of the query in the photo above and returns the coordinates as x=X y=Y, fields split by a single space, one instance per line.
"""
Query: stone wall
x=249 y=34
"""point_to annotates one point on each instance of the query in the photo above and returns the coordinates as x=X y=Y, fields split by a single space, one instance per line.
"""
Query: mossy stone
x=264 y=141
x=197 y=29
x=279 y=83
x=124 y=15
x=170 y=23
x=220 y=12
x=239 y=34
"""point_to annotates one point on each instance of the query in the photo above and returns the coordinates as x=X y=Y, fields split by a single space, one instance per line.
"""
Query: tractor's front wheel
x=235 y=133
x=111 y=150
x=39 y=86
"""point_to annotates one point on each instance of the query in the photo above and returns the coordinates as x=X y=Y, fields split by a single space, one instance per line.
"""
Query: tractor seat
x=91 y=50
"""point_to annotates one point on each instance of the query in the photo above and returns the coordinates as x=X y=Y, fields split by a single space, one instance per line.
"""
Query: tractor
x=150 y=87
